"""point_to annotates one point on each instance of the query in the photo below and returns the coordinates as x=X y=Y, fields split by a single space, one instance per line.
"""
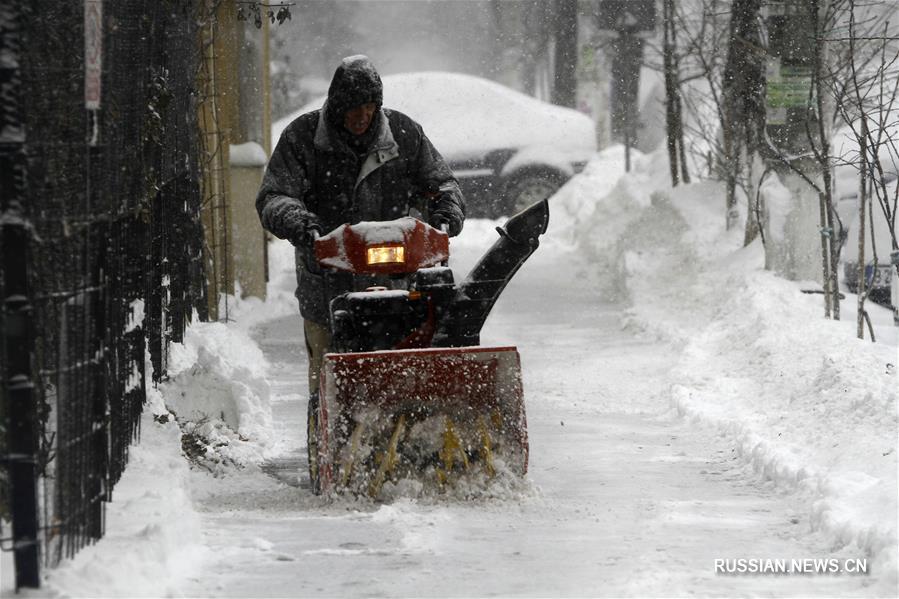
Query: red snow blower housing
x=407 y=393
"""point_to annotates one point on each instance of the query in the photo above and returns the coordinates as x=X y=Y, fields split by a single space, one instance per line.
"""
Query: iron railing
x=102 y=259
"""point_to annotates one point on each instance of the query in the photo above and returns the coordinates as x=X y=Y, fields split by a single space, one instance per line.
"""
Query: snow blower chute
x=407 y=393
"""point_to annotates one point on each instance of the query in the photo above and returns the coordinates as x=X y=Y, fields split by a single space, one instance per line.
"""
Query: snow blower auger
x=407 y=393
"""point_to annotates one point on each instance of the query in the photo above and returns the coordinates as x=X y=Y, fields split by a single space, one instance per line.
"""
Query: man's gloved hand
x=453 y=221
x=300 y=225
x=445 y=207
x=444 y=211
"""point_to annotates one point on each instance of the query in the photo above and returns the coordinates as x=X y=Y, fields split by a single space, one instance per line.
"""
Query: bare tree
x=673 y=103
x=734 y=89
x=867 y=102
x=695 y=52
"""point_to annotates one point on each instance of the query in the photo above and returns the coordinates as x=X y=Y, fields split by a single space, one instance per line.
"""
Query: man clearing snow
x=350 y=161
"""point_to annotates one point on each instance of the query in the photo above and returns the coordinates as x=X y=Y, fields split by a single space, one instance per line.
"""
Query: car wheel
x=527 y=188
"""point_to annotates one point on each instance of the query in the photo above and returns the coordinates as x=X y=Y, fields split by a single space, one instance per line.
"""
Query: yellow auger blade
x=350 y=462
x=452 y=445
x=497 y=419
x=429 y=386
x=486 y=448
x=388 y=459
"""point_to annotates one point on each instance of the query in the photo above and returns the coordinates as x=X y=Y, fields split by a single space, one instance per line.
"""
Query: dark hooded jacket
x=321 y=174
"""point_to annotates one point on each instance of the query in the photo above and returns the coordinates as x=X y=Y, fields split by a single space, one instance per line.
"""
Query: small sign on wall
x=93 y=52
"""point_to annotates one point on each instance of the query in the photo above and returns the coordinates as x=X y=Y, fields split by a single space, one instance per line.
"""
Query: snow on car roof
x=464 y=115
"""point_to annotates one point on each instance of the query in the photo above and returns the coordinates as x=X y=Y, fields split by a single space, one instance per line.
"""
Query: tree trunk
x=731 y=166
x=831 y=253
x=742 y=116
x=564 y=91
x=862 y=205
x=754 y=217
x=672 y=93
x=679 y=132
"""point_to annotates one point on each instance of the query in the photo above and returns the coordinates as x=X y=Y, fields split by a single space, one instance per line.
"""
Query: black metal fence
x=102 y=245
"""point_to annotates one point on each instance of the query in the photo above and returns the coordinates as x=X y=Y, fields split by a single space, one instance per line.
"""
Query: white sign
x=93 y=52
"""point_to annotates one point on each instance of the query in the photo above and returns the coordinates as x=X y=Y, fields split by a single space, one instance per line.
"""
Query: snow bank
x=153 y=534
x=810 y=406
x=213 y=411
x=218 y=390
x=218 y=386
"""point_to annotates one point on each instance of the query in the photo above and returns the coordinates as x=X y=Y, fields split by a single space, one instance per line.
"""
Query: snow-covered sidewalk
x=810 y=406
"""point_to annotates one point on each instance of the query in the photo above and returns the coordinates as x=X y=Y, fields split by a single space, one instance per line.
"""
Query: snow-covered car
x=507 y=149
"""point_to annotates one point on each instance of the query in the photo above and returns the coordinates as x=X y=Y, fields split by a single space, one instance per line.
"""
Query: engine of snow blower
x=407 y=392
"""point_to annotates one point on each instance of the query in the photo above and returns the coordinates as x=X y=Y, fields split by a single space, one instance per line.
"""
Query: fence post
x=22 y=457
x=16 y=312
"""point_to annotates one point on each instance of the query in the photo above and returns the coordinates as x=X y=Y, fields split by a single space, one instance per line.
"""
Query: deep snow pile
x=218 y=385
x=219 y=392
x=811 y=406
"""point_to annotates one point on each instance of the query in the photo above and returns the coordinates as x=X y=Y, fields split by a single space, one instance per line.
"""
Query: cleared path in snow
x=626 y=499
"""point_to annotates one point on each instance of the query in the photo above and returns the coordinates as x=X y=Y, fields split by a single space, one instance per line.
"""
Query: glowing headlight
x=386 y=255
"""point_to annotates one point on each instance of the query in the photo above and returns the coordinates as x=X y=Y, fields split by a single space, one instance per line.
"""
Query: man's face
x=358 y=119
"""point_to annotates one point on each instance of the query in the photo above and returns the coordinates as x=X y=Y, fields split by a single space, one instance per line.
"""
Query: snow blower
x=407 y=393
